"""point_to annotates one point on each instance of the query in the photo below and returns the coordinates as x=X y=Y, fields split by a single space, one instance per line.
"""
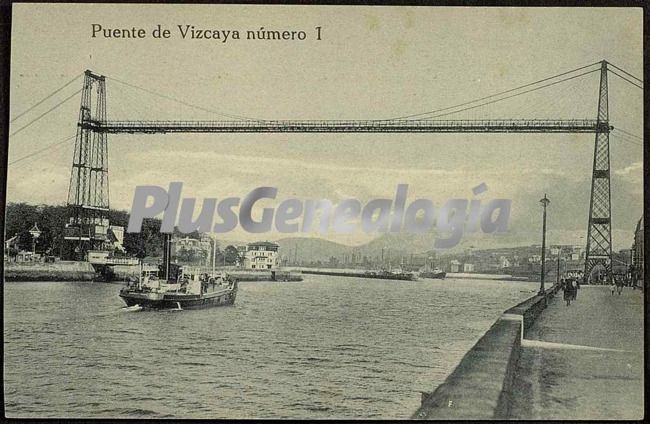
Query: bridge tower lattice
x=599 y=232
x=88 y=195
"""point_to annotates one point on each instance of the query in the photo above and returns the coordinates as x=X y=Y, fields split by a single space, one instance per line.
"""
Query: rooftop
x=263 y=243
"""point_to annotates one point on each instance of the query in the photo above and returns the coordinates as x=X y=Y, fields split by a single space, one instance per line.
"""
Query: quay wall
x=481 y=386
x=51 y=271
x=281 y=274
x=84 y=271
x=478 y=276
x=355 y=272
x=334 y=272
x=266 y=276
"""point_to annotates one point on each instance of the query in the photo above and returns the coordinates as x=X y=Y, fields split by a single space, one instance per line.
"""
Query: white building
x=535 y=259
x=261 y=255
x=468 y=267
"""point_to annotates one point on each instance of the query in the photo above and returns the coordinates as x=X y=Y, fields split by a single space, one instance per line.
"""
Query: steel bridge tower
x=88 y=191
x=599 y=232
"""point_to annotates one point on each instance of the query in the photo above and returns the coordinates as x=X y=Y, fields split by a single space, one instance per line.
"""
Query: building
x=261 y=255
x=18 y=255
x=241 y=254
x=637 y=255
x=535 y=259
x=454 y=266
x=12 y=242
x=193 y=250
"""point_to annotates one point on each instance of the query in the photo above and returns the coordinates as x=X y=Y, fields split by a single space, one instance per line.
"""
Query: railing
x=342 y=126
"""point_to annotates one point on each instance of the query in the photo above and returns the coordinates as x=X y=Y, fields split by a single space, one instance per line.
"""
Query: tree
x=25 y=240
x=20 y=217
x=135 y=244
x=51 y=220
x=232 y=255
x=201 y=256
x=148 y=242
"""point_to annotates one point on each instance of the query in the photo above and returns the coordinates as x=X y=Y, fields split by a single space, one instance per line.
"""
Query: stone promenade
x=583 y=361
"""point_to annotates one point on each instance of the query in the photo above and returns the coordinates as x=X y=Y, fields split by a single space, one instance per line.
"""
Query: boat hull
x=389 y=276
x=437 y=275
x=176 y=300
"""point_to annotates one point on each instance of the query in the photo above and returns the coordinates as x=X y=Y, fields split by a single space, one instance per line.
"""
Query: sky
x=371 y=63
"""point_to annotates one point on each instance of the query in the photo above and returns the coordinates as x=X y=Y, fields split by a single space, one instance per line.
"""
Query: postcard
x=324 y=212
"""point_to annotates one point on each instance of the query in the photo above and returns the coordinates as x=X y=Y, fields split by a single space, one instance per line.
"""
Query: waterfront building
x=455 y=266
x=261 y=255
x=241 y=254
x=191 y=250
x=11 y=242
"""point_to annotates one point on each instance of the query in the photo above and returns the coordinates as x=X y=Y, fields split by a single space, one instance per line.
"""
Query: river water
x=327 y=347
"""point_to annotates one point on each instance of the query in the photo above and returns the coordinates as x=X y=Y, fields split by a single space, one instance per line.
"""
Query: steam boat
x=435 y=273
x=392 y=274
x=178 y=290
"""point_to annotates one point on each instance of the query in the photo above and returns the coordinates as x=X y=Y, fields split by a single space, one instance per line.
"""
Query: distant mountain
x=312 y=249
x=395 y=246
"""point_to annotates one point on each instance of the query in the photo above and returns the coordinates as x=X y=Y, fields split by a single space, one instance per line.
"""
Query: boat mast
x=167 y=250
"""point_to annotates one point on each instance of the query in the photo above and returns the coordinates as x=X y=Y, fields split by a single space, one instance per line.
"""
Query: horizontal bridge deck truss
x=341 y=126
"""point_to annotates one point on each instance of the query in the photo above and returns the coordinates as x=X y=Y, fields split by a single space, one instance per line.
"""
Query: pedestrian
x=574 y=288
x=612 y=286
x=567 y=292
x=619 y=287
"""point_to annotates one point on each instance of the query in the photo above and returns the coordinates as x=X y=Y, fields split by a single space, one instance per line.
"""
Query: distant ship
x=177 y=290
x=436 y=273
x=392 y=274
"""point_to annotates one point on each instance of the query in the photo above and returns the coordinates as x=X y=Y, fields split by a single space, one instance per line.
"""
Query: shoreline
x=51 y=271
x=85 y=272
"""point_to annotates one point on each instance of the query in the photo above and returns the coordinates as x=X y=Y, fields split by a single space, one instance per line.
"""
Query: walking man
x=567 y=291
x=619 y=286
x=574 y=288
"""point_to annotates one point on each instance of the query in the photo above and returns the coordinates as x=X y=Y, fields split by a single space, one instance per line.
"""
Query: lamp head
x=544 y=201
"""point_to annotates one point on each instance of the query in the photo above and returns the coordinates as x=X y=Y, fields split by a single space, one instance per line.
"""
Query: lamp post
x=36 y=233
x=214 y=254
x=544 y=203
x=558 y=266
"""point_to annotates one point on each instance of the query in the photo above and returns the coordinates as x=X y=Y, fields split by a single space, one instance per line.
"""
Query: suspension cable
x=49 y=146
x=626 y=73
x=47 y=97
x=164 y=96
x=623 y=78
x=498 y=94
x=515 y=95
x=45 y=113
x=628 y=133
